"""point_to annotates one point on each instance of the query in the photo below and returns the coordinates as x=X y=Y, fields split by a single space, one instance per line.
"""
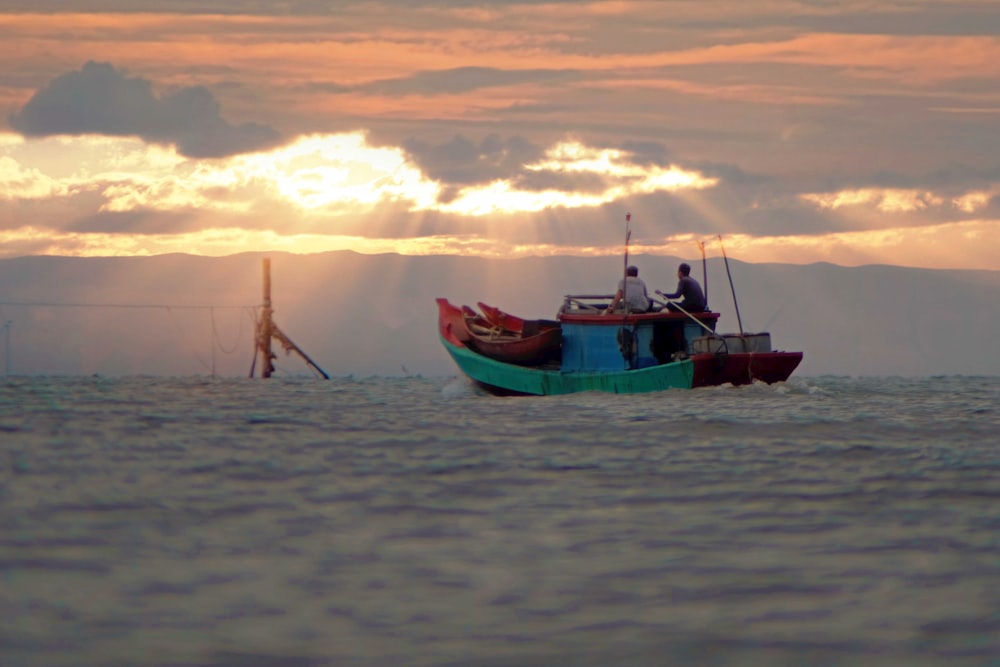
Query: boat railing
x=580 y=302
x=596 y=303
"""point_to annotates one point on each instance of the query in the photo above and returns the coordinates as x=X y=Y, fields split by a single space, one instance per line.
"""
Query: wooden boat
x=497 y=317
x=522 y=343
x=514 y=324
x=619 y=352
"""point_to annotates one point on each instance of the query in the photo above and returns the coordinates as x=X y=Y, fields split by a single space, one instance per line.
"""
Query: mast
x=626 y=337
x=704 y=272
x=733 y=289
x=628 y=235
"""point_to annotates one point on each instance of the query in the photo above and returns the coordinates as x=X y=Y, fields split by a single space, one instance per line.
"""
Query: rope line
x=183 y=337
x=239 y=333
x=186 y=343
x=54 y=304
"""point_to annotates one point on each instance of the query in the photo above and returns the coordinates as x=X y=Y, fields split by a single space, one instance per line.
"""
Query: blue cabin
x=592 y=341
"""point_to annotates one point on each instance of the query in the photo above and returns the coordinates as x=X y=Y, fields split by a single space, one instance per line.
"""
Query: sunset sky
x=852 y=132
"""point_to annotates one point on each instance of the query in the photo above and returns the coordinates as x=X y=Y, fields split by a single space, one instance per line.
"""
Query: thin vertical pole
x=266 y=323
x=731 y=287
x=6 y=364
x=267 y=329
x=704 y=272
x=628 y=235
x=211 y=335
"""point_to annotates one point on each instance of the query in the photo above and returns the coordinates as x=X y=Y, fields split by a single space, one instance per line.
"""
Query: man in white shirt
x=631 y=291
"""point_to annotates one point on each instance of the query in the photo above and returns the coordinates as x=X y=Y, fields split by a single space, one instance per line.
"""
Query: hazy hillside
x=375 y=315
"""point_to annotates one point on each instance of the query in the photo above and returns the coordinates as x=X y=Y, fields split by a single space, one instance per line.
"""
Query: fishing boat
x=588 y=348
x=621 y=353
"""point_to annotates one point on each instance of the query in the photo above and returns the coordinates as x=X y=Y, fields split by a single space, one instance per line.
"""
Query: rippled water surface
x=411 y=521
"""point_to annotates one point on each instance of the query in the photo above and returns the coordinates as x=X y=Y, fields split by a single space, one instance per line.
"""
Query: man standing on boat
x=631 y=290
x=687 y=287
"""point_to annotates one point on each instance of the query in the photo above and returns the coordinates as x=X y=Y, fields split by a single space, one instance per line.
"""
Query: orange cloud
x=963 y=245
x=317 y=48
x=894 y=200
x=321 y=175
x=276 y=66
x=759 y=93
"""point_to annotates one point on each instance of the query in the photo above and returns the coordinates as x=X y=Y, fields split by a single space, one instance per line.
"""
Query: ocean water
x=416 y=521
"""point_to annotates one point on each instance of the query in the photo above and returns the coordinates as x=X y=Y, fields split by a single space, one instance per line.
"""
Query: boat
x=619 y=352
x=588 y=348
x=515 y=325
x=503 y=338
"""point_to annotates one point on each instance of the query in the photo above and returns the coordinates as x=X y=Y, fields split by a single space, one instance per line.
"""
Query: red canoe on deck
x=514 y=324
x=500 y=336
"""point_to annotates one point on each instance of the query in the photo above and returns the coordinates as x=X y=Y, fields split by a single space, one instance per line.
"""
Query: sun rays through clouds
x=803 y=131
x=295 y=196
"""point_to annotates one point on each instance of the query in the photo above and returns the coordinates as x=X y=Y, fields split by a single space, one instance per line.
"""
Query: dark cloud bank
x=100 y=99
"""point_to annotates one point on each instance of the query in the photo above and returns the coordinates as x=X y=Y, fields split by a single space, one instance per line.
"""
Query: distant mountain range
x=367 y=315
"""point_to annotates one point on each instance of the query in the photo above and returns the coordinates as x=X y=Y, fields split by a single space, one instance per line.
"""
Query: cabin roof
x=595 y=317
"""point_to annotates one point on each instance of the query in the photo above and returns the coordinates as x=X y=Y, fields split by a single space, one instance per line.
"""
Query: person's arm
x=614 y=302
x=680 y=290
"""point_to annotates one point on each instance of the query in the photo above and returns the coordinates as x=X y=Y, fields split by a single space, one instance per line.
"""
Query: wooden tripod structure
x=268 y=330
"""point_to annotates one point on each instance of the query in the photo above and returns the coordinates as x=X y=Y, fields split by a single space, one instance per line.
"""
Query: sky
x=852 y=132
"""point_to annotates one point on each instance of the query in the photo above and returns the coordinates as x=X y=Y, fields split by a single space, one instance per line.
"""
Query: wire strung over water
x=7 y=323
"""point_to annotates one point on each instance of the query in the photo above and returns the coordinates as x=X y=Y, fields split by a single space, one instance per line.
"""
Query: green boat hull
x=504 y=378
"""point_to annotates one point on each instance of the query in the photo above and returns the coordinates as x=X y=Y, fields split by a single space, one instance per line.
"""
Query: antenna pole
x=628 y=235
x=704 y=271
x=626 y=338
x=733 y=289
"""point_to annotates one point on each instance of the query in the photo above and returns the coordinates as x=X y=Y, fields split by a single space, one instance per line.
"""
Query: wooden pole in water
x=267 y=329
x=266 y=324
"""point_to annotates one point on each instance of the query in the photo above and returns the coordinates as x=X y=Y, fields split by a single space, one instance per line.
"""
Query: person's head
x=684 y=269
x=632 y=271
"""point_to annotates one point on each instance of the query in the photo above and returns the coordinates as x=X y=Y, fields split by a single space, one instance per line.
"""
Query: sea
x=297 y=522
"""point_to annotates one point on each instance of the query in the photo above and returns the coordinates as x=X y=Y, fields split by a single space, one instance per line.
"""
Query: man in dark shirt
x=687 y=287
